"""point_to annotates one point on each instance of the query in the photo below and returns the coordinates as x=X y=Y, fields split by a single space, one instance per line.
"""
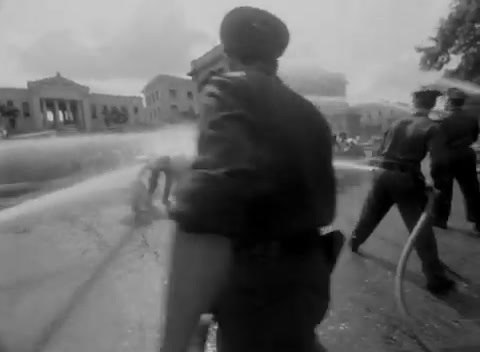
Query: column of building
x=70 y=116
x=44 y=109
x=68 y=113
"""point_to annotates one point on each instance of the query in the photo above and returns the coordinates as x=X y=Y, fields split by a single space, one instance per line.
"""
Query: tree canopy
x=458 y=35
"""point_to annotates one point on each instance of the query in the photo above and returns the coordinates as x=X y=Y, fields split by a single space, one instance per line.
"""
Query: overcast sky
x=118 y=45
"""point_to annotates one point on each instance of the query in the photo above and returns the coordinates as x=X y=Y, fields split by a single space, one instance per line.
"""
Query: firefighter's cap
x=253 y=34
x=426 y=93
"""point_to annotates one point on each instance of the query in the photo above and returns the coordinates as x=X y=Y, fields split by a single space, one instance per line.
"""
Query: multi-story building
x=59 y=103
x=170 y=99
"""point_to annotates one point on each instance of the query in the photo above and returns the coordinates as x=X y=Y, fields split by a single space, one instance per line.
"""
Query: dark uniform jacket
x=461 y=130
x=408 y=141
x=264 y=165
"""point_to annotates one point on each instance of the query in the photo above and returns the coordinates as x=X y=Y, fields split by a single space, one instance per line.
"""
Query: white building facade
x=170 y=99
x=57 y=103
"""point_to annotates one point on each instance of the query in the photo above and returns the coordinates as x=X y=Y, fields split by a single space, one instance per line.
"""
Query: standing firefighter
x=247 y=214
x=461 y=130
x=398 y=180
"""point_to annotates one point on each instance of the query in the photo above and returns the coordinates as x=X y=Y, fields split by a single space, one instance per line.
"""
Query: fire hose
x=399 y=294
x=425 y=220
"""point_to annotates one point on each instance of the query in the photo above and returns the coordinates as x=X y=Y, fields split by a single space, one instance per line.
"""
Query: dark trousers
x=407 y=191
x=276 y=297
x=462 y=168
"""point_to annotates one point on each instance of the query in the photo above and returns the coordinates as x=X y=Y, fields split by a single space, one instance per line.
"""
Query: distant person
x=461 y=129
x=172 y=168
x=398 y=180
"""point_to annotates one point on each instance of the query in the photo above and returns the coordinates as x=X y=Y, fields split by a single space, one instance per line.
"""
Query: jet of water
x=350 y=165
x=62 y=197
x=467 y=87
x=109 y=181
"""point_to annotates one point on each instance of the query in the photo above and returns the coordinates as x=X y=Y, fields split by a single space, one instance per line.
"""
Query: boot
x=441 y=287
x=476 y=229
x=354 y=244
x=440 y=224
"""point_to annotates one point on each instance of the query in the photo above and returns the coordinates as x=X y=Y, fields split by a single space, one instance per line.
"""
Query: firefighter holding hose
x=247 y=242
x=398 y=180
x=461 y=129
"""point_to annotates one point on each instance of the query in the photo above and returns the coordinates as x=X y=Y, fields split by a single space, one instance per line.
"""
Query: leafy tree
x=458 y=35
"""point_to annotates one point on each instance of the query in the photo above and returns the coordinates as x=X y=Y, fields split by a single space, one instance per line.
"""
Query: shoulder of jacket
x=225 y=83
x=232 y=77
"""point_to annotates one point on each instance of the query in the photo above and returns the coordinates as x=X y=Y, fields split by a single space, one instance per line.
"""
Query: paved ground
x=73 y=279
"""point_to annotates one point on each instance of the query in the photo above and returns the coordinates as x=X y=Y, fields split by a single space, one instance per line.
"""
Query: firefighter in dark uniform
x=461 y=129
x=248 y=212
x=398 y=180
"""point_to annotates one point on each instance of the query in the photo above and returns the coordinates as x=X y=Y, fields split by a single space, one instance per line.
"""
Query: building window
x=105 y=110
x=124 y=110
x=93 y=109
x=173 y=93
x=9 y=102
x=26 y=109
x=190 y=95
x=135 y=110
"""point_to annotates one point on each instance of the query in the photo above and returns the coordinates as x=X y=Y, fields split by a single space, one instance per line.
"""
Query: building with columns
x=57 y=103
x=170 y=99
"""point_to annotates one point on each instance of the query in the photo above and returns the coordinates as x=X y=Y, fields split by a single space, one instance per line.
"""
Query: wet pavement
x=74 y=279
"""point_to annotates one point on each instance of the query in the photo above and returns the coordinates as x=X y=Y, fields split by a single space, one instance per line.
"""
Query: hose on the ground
x=425 y=220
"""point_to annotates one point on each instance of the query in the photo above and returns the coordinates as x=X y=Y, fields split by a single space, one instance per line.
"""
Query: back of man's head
x=425 y=98
x=251 y=35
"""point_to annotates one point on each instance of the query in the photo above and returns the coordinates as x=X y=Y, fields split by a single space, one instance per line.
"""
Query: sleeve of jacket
x=475 y=129
x=437 y=147
x=213 y=198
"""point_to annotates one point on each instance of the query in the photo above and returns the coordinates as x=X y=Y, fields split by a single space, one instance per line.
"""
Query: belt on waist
x=292 y=243
x=392 y=166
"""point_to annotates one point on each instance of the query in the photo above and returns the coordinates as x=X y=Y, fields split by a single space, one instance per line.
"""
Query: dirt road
x=50 y=296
